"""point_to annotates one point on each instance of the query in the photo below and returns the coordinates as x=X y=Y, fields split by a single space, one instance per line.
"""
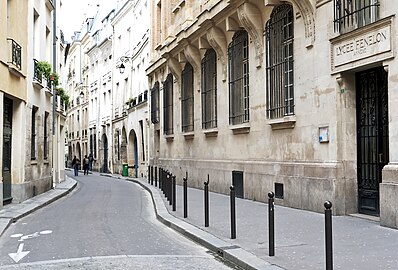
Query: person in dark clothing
x=85 y=165
x=75 y=165
x=90 y=162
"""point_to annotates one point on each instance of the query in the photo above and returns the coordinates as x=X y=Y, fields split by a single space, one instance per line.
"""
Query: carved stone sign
x=365 y=45
x=357 y=47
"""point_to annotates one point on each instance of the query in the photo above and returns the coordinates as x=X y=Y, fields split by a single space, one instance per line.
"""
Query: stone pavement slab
x=12 y=212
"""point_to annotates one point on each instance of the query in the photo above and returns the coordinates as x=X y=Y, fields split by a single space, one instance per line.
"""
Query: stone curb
x=232 y=253
x=31 y=205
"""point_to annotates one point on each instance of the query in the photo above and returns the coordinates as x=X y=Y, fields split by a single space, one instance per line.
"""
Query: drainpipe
x=55 y=159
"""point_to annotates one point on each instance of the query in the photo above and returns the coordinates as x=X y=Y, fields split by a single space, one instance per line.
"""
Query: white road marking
x=46 y=232
x=19 y=254
x=17 y=235
x=29 y=236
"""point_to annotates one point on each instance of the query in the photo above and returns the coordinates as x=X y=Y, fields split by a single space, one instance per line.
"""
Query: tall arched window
x=209 y=90
x=279 y=40
x=168 y=105
x=187 y=100
x=238 y=63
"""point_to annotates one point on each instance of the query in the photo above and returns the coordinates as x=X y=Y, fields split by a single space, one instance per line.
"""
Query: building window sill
x=169 y=138
x=240 y=129
x=287 y=122
x=213 y=132
x=189 y=135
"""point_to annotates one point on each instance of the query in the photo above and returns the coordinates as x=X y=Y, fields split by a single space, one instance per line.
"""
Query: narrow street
x=103 y=224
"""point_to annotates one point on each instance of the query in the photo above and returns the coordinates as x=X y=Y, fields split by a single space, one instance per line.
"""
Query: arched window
x=187 y=100
x=168 y=105
x=238 y=63
x=209 y=90
x=279 y=41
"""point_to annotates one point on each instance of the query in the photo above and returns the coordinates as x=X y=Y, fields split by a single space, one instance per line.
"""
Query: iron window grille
x=16 y=53
x=352 y=14
x=155 y=114
x=33 y=134
x=168 y=105
x=279 y=34
x=95 y=144
x=46 y=114
x=36 y=75
x=187 y=99
x=209 y=90
x=238 y=62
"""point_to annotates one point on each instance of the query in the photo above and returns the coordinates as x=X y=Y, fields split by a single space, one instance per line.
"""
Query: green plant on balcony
x=44 y=70
x=131 y=102
x=63 y=95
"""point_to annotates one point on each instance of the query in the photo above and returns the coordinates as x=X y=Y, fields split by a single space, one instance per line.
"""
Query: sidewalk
x=12 y=212
x=299 y=235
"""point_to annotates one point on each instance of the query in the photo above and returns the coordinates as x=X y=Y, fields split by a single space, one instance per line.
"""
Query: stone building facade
x=130 y=118
x=295 y=97
x=27 y=165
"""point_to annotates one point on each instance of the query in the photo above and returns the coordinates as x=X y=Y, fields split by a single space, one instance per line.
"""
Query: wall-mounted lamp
x=123 y=59
x=122 y=68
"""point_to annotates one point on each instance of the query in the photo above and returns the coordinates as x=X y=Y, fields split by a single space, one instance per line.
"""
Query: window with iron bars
x=168 y=105
x=209 y=90
x=155 y=114
x=238 y=63
x=352 y=14
x=187 y=100
x=46 y=115
x=279 y=37
x=33 y=134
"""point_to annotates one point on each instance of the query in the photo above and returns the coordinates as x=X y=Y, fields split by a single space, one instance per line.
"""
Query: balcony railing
x=16 y=53
x=36 y=76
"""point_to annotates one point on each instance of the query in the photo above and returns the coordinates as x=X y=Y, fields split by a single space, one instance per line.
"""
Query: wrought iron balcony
x=36 y=75
x=16 y=53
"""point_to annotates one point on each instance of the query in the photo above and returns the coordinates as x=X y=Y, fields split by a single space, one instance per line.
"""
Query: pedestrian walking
x=90 y=162
x=75 y=165
x=86 y=163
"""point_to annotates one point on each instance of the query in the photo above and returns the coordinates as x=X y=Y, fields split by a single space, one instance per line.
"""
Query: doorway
x=105 y=162
x=7 y=147
x=372 y=137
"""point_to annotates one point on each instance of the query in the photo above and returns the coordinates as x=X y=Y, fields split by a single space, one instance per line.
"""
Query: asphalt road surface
x=104 y=223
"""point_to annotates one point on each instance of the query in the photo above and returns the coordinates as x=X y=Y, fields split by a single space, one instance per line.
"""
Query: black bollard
x=149 y=176
x=156 y=177
x=233 y=214
x=174 y=192
x=206 y=191
x=185 y=197
x=328 y=235
x=152 y=175
x=271 y=224
x=166 y=186
x=160 y=179
x=170 y=188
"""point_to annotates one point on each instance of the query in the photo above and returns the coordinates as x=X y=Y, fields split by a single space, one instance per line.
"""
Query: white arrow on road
x=19 y=255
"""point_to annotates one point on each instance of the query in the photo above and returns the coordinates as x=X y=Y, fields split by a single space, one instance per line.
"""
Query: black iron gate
x=372 y=136
x=7 y=136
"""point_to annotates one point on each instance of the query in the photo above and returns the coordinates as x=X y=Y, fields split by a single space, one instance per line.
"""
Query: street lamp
x=123 y=59
x=121 y=68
